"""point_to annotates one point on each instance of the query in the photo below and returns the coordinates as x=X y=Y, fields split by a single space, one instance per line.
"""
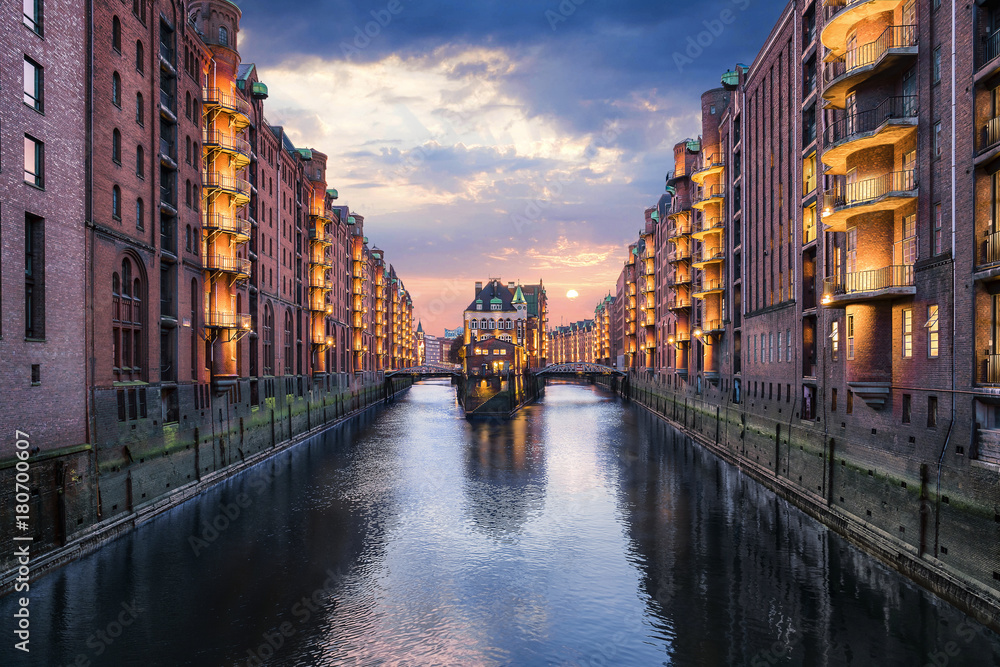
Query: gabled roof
x=518 y=296
x=495 y=293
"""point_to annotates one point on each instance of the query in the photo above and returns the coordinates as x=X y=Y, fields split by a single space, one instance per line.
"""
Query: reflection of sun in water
x=572 y=294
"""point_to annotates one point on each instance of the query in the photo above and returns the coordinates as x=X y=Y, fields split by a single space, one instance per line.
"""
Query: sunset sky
x=516 y=139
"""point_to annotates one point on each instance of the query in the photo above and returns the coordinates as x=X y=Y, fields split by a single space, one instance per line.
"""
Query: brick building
x=821 y=245
x=212 y=292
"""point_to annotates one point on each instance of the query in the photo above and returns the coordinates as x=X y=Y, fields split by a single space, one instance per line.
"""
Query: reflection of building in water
x=504 y=474
x=719 y=552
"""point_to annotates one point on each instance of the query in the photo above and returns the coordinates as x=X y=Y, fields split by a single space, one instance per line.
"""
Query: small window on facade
x=33 y=15
x=932 y=408
x=34 y=161
x=33 y=84
x=140 y=162
x=223 y=36
x=906 y=408
x=140 y=110
x=140 y=57
x=116 y=89
x=140 y=214
x=116 y=146
x=116 y=34
x=116 y=203
x=933 y=331
x=907 y=333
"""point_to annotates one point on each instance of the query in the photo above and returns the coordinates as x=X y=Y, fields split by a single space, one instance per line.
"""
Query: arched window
x=473 y=324
x=194 y=329
x=116 y=89
x=483 y=324
x=187 y=238
x=140 y=56
x=223 y=36
x=139 y=9
x=116 y=34
x=187 y=105
x=187 y=149
x=140 y=162
x=187 y=193
x=116 y=146
x=127 y=293
x=140 y=215
x=288 y=343
x=116 y=203
x=140 y=110
x=268 y=339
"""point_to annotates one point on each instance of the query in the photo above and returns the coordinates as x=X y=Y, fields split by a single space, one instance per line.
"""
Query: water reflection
x=504 y=474
x=583 y=532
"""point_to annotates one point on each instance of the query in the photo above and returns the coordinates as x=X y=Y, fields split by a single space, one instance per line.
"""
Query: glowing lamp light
x=698 y=333
x=827 y=212
x=670 y=340
x=826 y=300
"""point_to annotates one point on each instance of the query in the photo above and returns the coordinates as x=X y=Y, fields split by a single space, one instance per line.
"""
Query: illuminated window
x=835 y=339
x=809 y=174
x=933 y=331
x=34 y=161
x=907 y=333
x=908 y=246
x=850 y=337
x=809 y=224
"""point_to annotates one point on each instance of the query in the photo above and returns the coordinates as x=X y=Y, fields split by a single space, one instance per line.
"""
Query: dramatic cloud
x=514 y=139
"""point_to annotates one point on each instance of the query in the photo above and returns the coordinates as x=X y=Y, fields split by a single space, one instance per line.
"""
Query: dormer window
x=479 y=306
x=495 y=306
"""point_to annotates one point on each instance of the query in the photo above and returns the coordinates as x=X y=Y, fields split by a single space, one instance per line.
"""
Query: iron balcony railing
x=902 y=106
x=679 y=302
x=990 y=251
x=870 y=53
x=321 y=260
x=714 y=325
x=680 y=229
x=989 y=134
x=680 y=279
x=319 y=235
x=709 y=224
x=167 y=53
x=989 y=369
x=990 y=47
x=897 y=275
x=711 y=161
x=227 y=142
x=870 y=189
x=225 y=223
x=220 y=181
x=711 y=191
x=217 y=320
x=167 y=102
x=216 y=97
x=711 y=254
x=167 y=149
x=707 y=285
x=680 y=254
x=320 y=282
x=682 y=337
x=237 y=265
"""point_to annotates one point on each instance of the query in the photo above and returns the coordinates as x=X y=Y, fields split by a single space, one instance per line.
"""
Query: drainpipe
x=89 y=249
x=954 y=281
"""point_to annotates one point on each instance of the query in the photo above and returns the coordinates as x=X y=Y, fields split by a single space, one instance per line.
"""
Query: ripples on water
x=583 y=532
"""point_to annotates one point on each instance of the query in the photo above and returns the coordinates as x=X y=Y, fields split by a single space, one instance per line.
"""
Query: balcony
x=989 y=368
x=236 y=266
x=680 y=337
x=322 y=339
x=713 y=326
x=680 y=207
x=679 y=231
x=709 y=256
x=887 y=192
x=843 y=15
x=168 y=153
x=168 y=106
x=320 y=282
x=989 y=250
x=321 y=213
x=987 y=139
x=896 y=46
x=710 y=166
x=679 y=255
x=321 y=260
x=892 y=121
x=714 y=225
x=216 y=183
x=238 y=149
x=680 y=279
x=216 y=222
x=679 y=303
x=217 y=320
x=706 y=287
x=712 y=194
x=889 y=282
x=318 y=234
x=214 y=98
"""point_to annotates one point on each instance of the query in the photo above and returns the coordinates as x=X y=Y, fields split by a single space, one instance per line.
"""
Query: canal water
x=582 y=532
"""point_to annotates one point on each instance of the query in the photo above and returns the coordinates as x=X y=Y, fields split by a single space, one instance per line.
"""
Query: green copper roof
x=693 y=145
x=655 y=215
x=333 y=193
x=519 y=296
x=351 y=220
x=259 y=90
x=671 y=190
x=306 y=153
x=731 y=78
x=495 y=300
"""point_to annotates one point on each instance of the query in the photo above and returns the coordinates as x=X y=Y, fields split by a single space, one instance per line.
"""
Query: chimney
x=479 y=288
x=510 y=285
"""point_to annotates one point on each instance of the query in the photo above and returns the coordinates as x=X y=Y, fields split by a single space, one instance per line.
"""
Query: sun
x=572 y=294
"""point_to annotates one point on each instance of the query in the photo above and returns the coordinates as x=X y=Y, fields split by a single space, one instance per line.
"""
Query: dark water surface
x=582 y=532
